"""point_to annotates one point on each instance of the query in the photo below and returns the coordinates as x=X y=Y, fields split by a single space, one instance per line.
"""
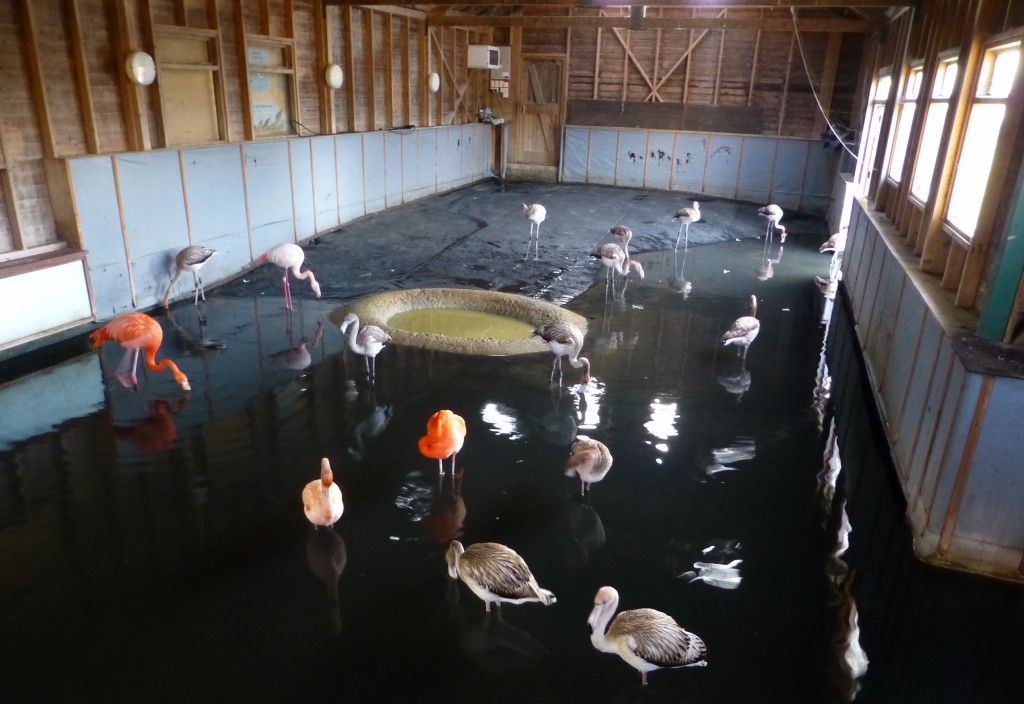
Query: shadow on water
x=156 y=547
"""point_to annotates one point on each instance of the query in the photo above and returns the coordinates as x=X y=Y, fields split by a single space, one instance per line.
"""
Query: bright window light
x=900 y=137
x=998 y=73
x=934 y=121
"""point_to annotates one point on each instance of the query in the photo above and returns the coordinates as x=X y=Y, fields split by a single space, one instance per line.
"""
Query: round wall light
x=140 y=67
x=334 y=76
x=433 y=82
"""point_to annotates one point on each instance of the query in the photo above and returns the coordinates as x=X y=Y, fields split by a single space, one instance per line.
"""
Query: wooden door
x=538 y=137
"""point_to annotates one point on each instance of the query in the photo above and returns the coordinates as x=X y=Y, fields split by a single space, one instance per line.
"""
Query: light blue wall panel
x=927 y=441
x=723 y=165
x=302 y=184
x=441 y=160
x=154 y=212
x=603 y=148
x=890 y=292
x=325 y=183
x=410 y=166
x=270 y=195
x=660 y=148
x=688 y=165
x=869 y=292
x=393 y=175
x=575 y=154
x=955 y=435
x=350 y=176
x=788 y=174
x=98 y=216
x=467 y=147
x=216 y=206
x=754 y=182
x=991 y=506
x=900 y=366
x=631 y=158
x=927 y=373
x=426 y=157
x=818 y=175
x=374 y=171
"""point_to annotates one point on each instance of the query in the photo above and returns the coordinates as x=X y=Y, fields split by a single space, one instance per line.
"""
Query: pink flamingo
x=135 y=332
x=290 y=256
x=535 y=214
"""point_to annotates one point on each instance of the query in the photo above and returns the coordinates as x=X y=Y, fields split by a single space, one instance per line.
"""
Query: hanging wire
x=810 y=82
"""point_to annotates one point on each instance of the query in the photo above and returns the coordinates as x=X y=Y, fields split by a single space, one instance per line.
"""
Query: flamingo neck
x=163 y=364
x=600 y=625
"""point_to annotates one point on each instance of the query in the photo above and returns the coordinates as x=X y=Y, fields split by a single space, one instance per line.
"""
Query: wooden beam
x=80 y=68
x=369 y=69
x=136 y=113
x=36 y=82
x=392 y=9
x=407 y=80
x=350 y=70
x=828 y=79
x=708 y=23
x=389 y=78
x=837 y=4
x=243 y=65
x=690 y=47
x=328 y=114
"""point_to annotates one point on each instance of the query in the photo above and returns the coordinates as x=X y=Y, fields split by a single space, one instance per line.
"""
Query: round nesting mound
x=379 y=308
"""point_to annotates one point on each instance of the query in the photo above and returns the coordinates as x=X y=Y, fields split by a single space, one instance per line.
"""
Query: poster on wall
x=270 y=94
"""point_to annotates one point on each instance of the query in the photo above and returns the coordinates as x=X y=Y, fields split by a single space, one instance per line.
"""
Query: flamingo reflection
x=371 y=419
x=299 y=357
x=446 y=515
x=155 y=433
x=327 y=558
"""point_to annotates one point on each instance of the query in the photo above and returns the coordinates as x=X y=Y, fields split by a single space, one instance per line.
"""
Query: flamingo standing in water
x=564 y=339
x=535 y=214
x=646 y=639
x=190 y=259
x=495 y=573
x=615 y=259
x=290 y=256
x=590 y=460
x=446 y=432
x=367 y=340
x=837 y=245
x=773 y=214
x=321 y=498
x=744 y=329
x=685 y=216
x=135 y=332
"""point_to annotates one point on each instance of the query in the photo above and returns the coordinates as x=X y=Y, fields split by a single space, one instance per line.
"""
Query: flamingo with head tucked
x=136 y=332
x=590 y=460
x=321 y=498
x=290 y=256
x=446 y=433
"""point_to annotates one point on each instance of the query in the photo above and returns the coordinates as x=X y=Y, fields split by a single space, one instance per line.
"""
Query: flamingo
x=646 y=639
x=137 y=331
x=744 y=329
x=191 y=259
x=535 y=214
x=495 y=573
x=616 y=260
x=623 y=234
x=590 y=460
x=837 y=245
x=367 y=340
x=773 y=214
x=564 y=339
x=685 y=216
x=321 y=498
x=446 y=432
x=290 y=256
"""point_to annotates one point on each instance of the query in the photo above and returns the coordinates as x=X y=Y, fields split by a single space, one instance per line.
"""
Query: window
x=998 y=71
x=934 y=121
x=873 y=121
x=905 y=118
x=188 y=76
x=271 y=87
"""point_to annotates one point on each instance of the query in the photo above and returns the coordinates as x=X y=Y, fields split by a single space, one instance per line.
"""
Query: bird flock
x=644 y=638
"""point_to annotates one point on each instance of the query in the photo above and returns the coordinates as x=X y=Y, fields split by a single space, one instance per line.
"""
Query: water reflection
x=157 y=431
x=299 y=357
x=445 y=518
x=327 y=558
x=560 y=424
x=735 y=379
x=370 y=418
x=584 y=531
x=722 y=459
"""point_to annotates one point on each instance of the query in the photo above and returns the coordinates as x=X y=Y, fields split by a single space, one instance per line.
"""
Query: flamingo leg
x=680 y=234
x=440 y=467
x=536 y=245
x=135 y=366
x=528 y=243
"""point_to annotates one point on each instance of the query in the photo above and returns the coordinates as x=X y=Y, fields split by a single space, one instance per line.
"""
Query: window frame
x=910 y=96
x=218 y=115
x=942 y=96
x=286 y=70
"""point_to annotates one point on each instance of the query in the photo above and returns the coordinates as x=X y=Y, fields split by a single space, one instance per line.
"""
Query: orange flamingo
x=446 y=432
x=135 y=331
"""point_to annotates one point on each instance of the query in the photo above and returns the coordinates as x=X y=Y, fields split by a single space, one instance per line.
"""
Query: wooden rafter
x=679 y=62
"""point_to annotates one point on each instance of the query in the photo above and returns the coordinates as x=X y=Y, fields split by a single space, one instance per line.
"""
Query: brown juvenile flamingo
x=564 y=339
x=495 y=573
x=744 y=329
x=590 y=460
x=191 y=259
x=135 y=332
x=290 y=256
x=645 y=638
x=623 y=234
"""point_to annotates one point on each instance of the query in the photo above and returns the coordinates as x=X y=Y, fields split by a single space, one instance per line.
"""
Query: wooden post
x=328 y=114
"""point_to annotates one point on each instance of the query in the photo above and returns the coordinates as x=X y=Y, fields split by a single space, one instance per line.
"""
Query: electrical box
x=482 y=56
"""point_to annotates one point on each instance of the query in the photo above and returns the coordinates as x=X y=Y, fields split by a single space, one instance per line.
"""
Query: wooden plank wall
x=65 y=93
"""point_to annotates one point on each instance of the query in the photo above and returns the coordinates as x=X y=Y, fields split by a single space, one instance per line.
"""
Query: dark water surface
x=153 y=546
